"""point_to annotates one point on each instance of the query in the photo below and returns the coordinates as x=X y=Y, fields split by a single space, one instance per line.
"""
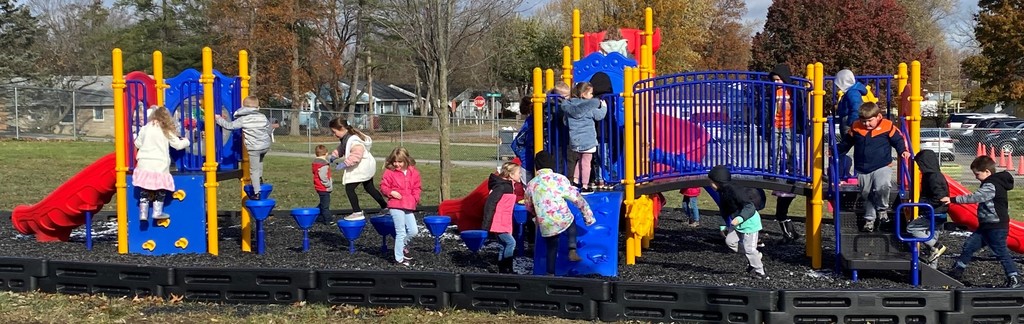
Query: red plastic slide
x=53 y=218
x=967 y=215
x=467 y=213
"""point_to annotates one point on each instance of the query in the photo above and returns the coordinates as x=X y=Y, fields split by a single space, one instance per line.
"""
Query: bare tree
x=438 y=31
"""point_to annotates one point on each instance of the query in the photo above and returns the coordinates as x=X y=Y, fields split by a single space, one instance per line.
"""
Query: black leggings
x=552 y=245
x=350 y=191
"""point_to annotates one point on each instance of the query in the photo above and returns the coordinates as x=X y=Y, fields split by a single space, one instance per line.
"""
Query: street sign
x=493 y=95
x=479 y=102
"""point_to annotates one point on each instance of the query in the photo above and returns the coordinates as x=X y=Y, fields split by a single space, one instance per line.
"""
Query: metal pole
x=401 y=128
x=17 y=120
x=309 y=137
x=74 y=116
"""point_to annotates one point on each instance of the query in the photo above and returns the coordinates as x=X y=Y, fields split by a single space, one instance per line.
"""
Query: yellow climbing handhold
x=179 y=195
x=149 y=245
x=181 y=243
x=163 y=222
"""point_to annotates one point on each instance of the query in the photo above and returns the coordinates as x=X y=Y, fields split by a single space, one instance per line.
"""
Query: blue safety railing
x=885 y=85
x=184 y=100
x=834 y=180
x=609 y=156
x=915 y=269
x=718 y=118
x=136 y=107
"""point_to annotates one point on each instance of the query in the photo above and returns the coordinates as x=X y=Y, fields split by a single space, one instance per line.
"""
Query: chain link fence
x=55 y=113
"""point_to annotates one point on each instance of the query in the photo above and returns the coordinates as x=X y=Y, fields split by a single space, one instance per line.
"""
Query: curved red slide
x=53 y=218
x=967 y=215
x=468 y=212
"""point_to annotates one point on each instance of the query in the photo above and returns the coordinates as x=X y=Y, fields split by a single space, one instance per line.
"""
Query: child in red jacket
x=401 y=183
x=498 y=212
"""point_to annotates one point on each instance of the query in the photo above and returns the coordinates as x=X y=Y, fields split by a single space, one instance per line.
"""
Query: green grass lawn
x=57 y=308
x=383 y=146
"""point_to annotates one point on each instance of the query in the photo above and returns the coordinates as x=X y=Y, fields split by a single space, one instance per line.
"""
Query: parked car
x=1009 y=141
x=970 y=122
x=956 y=120
x=939 y=141
x=994 y=123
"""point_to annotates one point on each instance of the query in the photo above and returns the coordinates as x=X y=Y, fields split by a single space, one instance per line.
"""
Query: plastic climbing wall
x=597 y=244
x=184 y=232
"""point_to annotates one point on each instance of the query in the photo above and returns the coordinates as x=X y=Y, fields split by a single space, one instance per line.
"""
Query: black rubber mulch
x=678 y=254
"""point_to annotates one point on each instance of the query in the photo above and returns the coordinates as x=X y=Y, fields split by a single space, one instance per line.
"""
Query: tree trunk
x=444 y=120
x=353 y=89
x=297 y=97
x=369 y=91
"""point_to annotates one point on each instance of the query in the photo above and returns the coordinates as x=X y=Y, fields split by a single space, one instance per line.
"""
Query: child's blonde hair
x=561 y=88
x=507 y=169
x=320 y=150
x=399 y=154
x=163 y=117
x=251 y=102
x=580 y=88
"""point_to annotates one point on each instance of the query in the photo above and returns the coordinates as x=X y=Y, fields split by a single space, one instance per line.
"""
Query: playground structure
x=664 y=133
x=193 y=99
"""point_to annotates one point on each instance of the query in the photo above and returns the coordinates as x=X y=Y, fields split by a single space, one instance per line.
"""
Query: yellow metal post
x=901 y=79
x=549 y=79
x=246 y=222
x=538 y=112
x=813 y=237
x=121 y=165
x=649 y=41
x=576 y=35
x=567 y=65
x=158 y=75
x=210 y=165
x=628 y=143
x=915 y=120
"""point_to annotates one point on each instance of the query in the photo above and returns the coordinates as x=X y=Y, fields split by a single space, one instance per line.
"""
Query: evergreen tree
x=19 y=30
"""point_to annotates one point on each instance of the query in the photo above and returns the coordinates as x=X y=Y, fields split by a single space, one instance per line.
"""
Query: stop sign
x=479 y=102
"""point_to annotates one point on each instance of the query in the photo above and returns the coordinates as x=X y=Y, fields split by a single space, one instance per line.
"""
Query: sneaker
x=694 y=224
x=760 y=244
x=162 y=216
x=573 y=256
x=869 y=226
x=956 y=273
x=586 y=191
x=1013 y=281
x=937 y=252
x=355 y=216
x=405 y=262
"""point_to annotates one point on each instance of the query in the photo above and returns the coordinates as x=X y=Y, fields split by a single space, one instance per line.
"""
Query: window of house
x=97 y=114
x=69 y=117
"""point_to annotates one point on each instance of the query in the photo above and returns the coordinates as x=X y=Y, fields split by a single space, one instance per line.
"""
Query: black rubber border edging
x=571 y=298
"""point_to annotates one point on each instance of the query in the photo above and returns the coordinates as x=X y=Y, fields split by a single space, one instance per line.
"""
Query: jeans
x=325 y=205
x=784 y=151
x=405 y=229
x=508 y=246
x=995 y=239
x=552 y=245
x=690 y=209
x=350 y=191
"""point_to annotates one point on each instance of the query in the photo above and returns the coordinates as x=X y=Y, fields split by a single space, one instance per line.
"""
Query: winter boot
x=158 y=210
x=1014 y=281
x=143 y=209
x=573 y=256
x=505 y=265
x=788 y=234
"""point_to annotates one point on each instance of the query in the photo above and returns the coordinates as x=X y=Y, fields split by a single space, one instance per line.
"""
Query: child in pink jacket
x=498 y=212
x=401 y=183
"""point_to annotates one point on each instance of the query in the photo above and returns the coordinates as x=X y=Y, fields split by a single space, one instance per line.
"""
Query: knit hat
x=720 y=174
x=543 y=160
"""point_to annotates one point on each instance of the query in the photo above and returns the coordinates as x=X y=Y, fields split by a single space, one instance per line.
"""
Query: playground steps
x=880 y=250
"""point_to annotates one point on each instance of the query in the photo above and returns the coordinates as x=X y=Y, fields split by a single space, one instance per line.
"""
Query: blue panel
x=614 y=65
x=188 y=220
x=597 y=245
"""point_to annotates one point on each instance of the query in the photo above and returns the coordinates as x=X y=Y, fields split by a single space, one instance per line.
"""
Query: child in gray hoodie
x=581 y=111
x=256 y=134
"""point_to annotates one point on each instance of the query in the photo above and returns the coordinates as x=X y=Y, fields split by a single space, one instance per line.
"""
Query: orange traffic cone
x=997 y=155
x=1020 y=169
x=992 y=152
x=980 y=151
x=1009 y=163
